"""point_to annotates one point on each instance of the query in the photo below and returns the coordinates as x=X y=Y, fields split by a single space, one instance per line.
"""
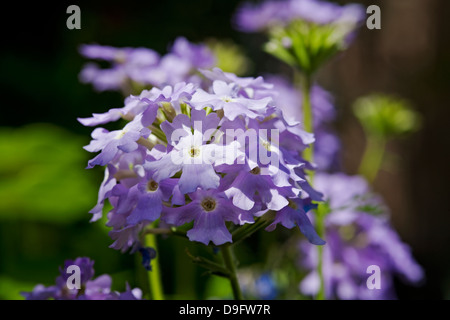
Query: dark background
x=409 y=56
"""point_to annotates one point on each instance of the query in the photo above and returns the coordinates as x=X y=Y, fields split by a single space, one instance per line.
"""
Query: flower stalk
x=228 y=259
x=372 y=158
x=308 y=154
x=154 y=276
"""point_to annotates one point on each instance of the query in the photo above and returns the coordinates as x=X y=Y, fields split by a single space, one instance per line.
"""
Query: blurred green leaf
x=11 y=288
x=218 y=288
x=42 y=175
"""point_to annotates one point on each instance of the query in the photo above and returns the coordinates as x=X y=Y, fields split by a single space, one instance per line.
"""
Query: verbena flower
x=209 y=209
x=210 y=155
x=268 y=14
x=133 y=68
x=126 y=65
x=109 y=143
x=90 y=288
x=358 y=235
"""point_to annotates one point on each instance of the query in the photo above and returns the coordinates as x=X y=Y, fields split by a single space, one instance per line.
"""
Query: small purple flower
x=209 y=210
x=190 y=152
x=109 y=143
x=134 y=105
x=127 y=238
x=150 y=196
x=246 y=87
x=294 y=214
x=90 y=288
x=148 y=254
x=105 y=188
x=224 y=97
x=250 y=182
x=86 y=266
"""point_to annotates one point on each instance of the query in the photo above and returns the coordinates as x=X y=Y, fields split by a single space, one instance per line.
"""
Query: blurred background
x=45 y=192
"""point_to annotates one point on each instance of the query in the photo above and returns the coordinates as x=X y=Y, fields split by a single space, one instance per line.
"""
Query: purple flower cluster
x=90 y=288
x=141 y=66
x=358 y=235
x=208 y=155
x=258 y=17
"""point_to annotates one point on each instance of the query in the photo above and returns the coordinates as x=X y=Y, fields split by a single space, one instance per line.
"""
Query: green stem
x=308 y=121
x=229 y=264
x=308 y=155
x=372 y=158
x=154 y=276
x=320 y=226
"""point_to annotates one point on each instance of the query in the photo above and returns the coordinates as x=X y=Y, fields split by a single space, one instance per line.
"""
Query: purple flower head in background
x=199 y=55
x=90 y=288
x=126 y=63
x=302 y=33
x=259 y=17
x=144 y=67
x=358 y=235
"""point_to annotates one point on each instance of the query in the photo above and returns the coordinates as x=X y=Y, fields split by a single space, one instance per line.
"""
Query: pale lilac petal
x=198 y=175
x=148 y=208
x=209 y=226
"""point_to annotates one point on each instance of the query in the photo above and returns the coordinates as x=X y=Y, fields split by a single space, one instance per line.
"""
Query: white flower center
x=227 y=99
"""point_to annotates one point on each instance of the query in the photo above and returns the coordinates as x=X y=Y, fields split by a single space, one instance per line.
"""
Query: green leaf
x=42 y=175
